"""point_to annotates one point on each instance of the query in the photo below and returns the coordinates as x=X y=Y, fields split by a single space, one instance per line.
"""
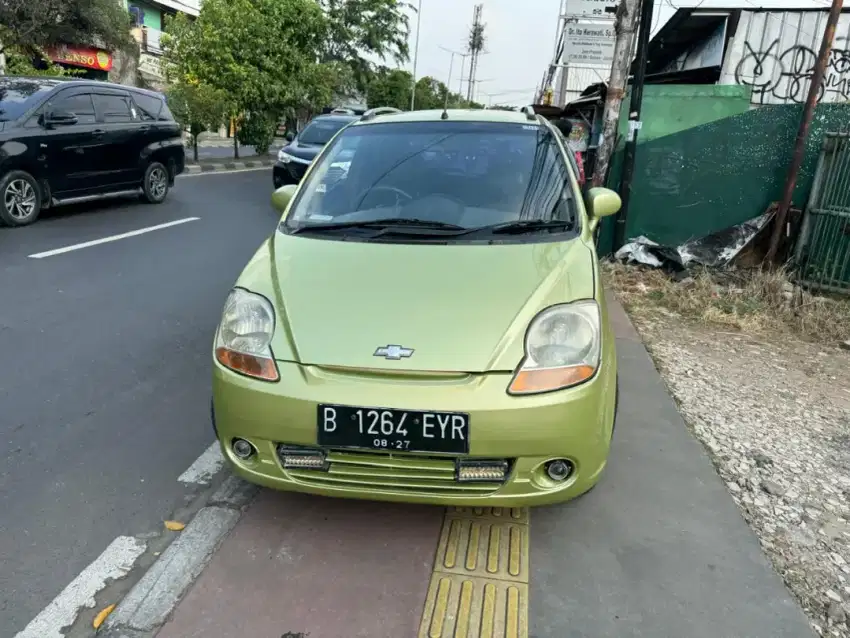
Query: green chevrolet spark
x=427 y=323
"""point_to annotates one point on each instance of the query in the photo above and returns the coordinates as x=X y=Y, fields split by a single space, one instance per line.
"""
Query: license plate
x=393 y=430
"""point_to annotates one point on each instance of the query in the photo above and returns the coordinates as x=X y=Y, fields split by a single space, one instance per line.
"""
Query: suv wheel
x=20 y=199
x=155 y=185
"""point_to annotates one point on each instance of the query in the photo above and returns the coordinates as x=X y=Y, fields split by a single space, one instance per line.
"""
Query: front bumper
x=288 y=173
x=573 y=424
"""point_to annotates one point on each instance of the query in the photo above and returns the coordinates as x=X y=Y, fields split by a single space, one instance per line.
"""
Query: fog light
x=559 y=470
x=484 y=470
x=295 y=458
x=243 y=449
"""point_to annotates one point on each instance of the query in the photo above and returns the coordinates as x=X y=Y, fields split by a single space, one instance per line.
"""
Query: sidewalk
x=658 y=550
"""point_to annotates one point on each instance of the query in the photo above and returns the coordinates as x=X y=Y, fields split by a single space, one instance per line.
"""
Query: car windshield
x=16 y=95
x=320 y=131
x=457 y=176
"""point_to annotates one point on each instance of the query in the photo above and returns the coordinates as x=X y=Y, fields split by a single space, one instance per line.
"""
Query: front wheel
x=156 y=182
x=20 y=199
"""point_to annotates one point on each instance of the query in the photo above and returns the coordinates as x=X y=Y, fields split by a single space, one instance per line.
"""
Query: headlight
x=284 y=157
x=244 y=336
x=562 y=348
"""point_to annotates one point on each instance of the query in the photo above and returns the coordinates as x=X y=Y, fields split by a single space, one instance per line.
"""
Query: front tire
x=156 y=183
x=20 y=199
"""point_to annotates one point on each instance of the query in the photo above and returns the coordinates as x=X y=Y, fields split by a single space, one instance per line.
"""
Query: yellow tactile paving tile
x=468 y=607
x=479 y=587
x=483 y=547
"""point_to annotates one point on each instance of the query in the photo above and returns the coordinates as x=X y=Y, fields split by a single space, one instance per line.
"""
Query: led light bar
x=302 y=458
x=482 y=470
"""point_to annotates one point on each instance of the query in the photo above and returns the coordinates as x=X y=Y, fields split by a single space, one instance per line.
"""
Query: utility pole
x=779 y=224
x=415 y=56
x=475 y=45
x=634 y=122
x=463 y=57
x=624 y=27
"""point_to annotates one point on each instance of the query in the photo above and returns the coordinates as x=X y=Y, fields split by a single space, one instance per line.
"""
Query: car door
x=70 y=153
x=117 y=117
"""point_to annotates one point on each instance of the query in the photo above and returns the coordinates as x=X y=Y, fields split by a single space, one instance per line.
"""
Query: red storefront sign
x=87 y=57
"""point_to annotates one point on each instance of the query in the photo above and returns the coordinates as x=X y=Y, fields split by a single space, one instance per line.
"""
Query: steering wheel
x=368 y=191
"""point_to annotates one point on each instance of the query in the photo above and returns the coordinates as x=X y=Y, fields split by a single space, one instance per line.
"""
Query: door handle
x=145 y=127
x=98 y=132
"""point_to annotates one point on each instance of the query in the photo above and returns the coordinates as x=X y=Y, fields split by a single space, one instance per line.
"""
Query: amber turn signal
x=548 y=379
x=248 y=364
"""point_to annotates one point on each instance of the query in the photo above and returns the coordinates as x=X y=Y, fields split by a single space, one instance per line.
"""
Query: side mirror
x=601 y=202
x=60 y=118
x=282 y=196
x=289 y=136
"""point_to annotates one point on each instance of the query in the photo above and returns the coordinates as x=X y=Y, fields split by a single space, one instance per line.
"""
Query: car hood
x=302 y=151
x=460 y=308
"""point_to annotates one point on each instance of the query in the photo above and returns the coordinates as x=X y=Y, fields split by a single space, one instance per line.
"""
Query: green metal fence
x=823 y=248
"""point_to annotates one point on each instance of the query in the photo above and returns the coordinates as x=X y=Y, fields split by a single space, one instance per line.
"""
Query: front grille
x=392 y=473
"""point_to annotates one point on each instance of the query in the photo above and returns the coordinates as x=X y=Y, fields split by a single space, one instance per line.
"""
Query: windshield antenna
x=445 y=113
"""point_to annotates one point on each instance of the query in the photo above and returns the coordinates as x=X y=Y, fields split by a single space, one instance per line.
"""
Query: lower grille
x=385 y=472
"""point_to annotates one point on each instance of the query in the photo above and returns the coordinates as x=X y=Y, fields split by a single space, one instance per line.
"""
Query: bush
x=257 y=130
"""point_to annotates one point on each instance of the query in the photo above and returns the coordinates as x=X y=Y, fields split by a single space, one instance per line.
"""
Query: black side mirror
x=289 y=136
x=59 y=118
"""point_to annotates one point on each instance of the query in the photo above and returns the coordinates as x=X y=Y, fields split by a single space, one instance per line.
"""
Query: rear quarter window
x=165 y=114
x=149 y=106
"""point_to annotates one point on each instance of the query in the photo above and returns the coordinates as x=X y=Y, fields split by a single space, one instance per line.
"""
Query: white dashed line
x=115 y=562
x=104 y=240
x=205 y=466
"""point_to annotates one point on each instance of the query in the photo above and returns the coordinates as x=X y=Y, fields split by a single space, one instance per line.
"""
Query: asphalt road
x=104 y=391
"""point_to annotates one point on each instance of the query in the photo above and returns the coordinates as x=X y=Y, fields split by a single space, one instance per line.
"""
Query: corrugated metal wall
x=774 y=52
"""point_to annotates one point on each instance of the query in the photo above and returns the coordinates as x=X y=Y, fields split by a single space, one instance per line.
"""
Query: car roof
x=337 y=117
x=55 y=81
x=495 y=116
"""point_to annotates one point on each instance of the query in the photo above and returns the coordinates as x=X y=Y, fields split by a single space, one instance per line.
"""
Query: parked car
x=294 y=158
x=68 y=140
x=430 y=328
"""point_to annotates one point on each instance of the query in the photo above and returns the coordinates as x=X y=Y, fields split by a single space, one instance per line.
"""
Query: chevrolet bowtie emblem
x=394 y=352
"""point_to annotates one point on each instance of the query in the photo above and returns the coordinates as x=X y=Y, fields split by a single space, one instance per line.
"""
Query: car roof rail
x=371 y=114
x=529 y=113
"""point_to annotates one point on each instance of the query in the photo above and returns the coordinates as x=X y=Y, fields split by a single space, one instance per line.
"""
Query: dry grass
x=754 y=301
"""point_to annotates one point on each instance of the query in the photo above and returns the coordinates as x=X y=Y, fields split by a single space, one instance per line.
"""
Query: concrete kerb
x=207 y=167
x=148 y=605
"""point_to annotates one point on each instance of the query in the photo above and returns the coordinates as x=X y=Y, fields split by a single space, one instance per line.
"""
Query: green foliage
x=197 y=107
x=18 y=63
x=257 y=129
x=362 y=29
x=28 y=25
x=262 y=53
x=391 y=87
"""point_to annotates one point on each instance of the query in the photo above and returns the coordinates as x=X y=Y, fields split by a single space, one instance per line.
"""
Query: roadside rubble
x=773 y=411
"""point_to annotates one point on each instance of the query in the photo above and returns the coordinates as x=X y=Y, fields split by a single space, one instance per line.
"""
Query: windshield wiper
x=384 y=225
x=519 y=226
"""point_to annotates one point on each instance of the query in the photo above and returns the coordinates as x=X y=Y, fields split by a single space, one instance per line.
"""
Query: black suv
x=68 y=140
x=294 y=158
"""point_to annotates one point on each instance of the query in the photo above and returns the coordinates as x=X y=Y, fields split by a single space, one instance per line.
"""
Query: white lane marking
x=115 y=562
x=205 y=466
x=226 y=172
x=104 y=240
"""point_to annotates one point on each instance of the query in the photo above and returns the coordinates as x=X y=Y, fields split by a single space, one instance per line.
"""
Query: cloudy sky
x=520 y=39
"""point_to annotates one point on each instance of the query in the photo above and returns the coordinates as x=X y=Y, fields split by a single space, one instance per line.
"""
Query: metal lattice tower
x=474 y=45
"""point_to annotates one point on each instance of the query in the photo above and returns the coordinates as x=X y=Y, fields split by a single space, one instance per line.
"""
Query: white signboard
x=592 y=8
x=589 y=43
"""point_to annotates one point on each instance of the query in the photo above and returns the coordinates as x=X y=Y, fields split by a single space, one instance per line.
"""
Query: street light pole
x=415 y=56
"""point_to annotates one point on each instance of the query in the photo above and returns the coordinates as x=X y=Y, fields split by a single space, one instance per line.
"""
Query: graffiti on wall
x=779 y=75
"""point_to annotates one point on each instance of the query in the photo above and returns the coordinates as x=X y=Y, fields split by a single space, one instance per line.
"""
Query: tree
x=262 y=53
x=197 y=107
x=391 y=87
x=26 y=26
x=362 y=29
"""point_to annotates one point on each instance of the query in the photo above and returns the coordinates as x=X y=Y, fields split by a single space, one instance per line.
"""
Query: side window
x=80 y=104
x=148 y=106
x=113 y=108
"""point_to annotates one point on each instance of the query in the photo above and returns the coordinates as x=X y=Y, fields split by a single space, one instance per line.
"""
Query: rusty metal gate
x=823 y=248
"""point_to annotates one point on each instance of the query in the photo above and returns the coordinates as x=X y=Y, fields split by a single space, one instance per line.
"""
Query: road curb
x=209 y=167
x=148 y=605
